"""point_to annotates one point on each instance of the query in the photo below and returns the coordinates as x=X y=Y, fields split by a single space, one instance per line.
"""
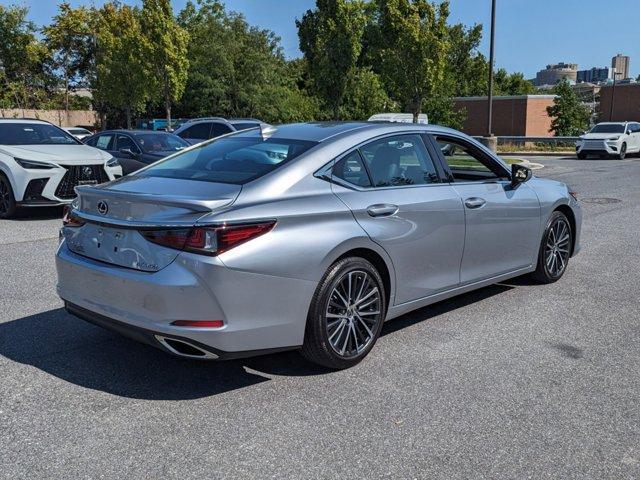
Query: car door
x=502 y=222
x=634 y=137
x=396 y=194
x=129 y=154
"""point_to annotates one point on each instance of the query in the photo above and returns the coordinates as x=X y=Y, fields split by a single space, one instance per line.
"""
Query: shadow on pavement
x=27 y=214
x=85 y=355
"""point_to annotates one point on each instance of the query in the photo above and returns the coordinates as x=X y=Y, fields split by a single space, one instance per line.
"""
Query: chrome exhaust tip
x=185 y=349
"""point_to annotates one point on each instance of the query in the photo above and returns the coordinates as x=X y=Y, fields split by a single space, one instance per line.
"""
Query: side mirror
x=127 y=151
x=520 y=174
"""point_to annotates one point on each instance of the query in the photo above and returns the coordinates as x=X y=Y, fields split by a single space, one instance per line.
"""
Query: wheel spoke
x=372 y=292
x=344 y=301
x=364 y=324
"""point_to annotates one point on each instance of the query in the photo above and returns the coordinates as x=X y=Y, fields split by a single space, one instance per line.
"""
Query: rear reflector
x=69 y=219
x=208 y=240
x=199 y=323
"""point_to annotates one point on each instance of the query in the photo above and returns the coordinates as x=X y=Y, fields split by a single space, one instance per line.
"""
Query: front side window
x=125 y=142
x=236 y=159
x=466 y=163
x=21 y=133
x=399 y=160
x=351 y=169
x=158 y=142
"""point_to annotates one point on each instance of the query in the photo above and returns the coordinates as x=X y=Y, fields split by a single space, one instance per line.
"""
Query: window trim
x=491 y=160
x=326 y=171
x=135 y=144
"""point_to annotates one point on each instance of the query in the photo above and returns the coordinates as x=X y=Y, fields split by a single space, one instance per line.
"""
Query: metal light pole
x=491 y=61
x=613 y=94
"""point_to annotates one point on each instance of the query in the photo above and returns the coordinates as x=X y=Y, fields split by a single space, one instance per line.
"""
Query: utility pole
x=491 y=63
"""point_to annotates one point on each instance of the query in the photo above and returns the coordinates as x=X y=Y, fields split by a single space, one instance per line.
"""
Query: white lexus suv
x=612 y=139
x=41 y=164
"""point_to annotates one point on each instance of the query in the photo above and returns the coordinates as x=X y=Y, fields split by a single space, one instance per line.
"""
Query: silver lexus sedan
x=306 y=236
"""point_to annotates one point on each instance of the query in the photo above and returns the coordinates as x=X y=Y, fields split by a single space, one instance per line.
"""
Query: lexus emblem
x=103 y=208
x=87 y=171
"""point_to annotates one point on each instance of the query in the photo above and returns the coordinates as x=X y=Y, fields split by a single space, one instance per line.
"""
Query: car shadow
x=85 y=355
x=39 y=213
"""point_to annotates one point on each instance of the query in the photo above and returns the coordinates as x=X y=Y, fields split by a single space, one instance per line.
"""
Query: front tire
x=346 y=314
x=555 y=249
x=623 y=152
x=582 y=156
x=7 y=199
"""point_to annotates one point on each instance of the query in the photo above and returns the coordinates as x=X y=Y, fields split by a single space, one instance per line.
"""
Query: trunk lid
x=115 y=213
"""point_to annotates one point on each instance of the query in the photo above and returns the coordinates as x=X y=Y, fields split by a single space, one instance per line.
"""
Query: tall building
x=595 y=75
x=621 y=65
x=555 y=73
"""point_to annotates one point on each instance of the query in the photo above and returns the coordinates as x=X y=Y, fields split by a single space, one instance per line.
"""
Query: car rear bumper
x=260 y=312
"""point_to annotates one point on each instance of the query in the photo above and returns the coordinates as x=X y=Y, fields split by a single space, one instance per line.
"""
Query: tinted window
x=351 y=169
x=236 y=159
x=34 y=134
x=105 y=142
x=154 y=142
x=91 y=141
x=466 y=162
x=124 y=141
x=608 y=128
x=218 y=129
x=399 y=160
x=199 y=131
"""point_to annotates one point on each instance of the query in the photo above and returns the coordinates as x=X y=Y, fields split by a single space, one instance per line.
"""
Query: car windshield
x=608 y=128
x=160 y=142
x=79 y=131
x=236 y=159
x=20 y=133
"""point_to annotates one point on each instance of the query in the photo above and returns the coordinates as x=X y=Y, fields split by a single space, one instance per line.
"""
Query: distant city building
x=555 y=73
x=621 y=65
x=595 y=75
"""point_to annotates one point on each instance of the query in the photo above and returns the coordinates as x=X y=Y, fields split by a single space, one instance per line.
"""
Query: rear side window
x=351 y=169
x=199 y=131
x=218 y=129
x=399 y=160
x=236 y=159
x=105 y=142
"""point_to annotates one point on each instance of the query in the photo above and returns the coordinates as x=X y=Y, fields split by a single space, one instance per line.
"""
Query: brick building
x=520 y=115
x=626 y=106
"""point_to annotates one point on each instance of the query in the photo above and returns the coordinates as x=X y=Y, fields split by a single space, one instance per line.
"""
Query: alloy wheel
x=5 y=200
x=353 y=313
x=557 y=247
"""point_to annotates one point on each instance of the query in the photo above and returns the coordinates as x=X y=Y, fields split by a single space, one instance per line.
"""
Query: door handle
x=382 y=209
x=475 y=202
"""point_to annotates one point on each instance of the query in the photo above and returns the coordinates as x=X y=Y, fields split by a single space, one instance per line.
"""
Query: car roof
x=24 y=120
x=613 y=123
x=322 y=131
x=134 y=132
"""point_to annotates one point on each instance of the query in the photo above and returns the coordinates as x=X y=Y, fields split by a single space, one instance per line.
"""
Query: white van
x=398 y=117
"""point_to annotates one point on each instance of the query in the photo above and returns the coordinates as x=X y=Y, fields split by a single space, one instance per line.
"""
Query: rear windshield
x=34 y=134
x=236 y=159
x=608 y=128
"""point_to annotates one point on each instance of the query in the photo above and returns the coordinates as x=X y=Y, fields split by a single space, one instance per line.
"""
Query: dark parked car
x=200 y=129
x=136 y=148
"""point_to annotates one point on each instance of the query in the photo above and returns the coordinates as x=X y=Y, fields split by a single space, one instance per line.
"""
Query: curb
x=539 y=154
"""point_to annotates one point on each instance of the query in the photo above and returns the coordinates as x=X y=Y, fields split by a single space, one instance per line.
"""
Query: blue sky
x=530 y=33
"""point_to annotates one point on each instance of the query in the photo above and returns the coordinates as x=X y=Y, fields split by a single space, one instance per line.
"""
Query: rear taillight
x=208 y=240
x=198 y=323
x=70 y=219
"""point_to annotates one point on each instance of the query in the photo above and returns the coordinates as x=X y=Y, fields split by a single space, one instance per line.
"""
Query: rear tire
x=582 y=156
x=346 y=314
x=8 y=205
x=555 y=249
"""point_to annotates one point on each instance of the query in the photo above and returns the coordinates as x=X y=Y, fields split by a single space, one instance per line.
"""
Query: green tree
x=238 y=70
x=331 y=41
x=165 y=52
x=23 y=60
x=411 y=43
x=570 y=115
x=122 y=77
x=511 y=84
x=364 y=96
x=69 y=37
x=467 y=70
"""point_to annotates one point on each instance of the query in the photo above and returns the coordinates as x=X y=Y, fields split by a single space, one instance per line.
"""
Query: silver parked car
x=306 y=236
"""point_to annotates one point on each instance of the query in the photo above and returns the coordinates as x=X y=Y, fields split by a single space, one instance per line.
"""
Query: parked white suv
x=41 y=164
x=616 y=139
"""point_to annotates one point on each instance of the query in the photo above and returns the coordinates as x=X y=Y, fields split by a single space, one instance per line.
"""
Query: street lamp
x=613 y=93
x=491 y=62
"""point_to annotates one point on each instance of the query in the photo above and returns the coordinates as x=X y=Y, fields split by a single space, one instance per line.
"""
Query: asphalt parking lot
x=512 y=381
